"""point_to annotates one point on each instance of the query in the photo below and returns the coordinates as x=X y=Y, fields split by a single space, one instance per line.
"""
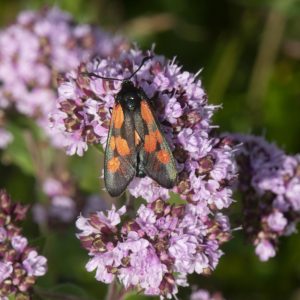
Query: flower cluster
x=270 y=184
x=63 y=201
x=61 y=206
x=205 y=163
x=20 y=263
x=156 y=250
x=35 y=50
x=206 y=295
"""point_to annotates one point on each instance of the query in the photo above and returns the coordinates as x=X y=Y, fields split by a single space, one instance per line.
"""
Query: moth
x=135 y=144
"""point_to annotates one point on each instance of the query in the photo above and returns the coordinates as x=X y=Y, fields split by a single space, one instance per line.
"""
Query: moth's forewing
x=157 y=159
x=120 y=152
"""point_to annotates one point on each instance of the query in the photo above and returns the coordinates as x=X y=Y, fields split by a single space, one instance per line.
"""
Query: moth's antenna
x=98 y=76
x=111 y=78
x=142 y=63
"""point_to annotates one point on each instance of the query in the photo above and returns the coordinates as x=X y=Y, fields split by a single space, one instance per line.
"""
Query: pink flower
x=277 y=221
x=155 y=251
x=181 y=106
x=270 y=185
x=205 y=295
x=35 y=265
x=6 y=269
x=19 y=243
x=32 y=54
x=293 y=192
x=18 y=261
x=62 y=208
x=264 y=250
x=52 y=187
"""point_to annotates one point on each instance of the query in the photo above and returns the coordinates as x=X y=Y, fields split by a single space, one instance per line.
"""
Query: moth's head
x=129 y=96
x=127 y=84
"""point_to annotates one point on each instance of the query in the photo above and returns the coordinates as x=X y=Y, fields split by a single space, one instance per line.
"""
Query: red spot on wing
x=146 y=113
x=163 y=156
x=150 y=142
x=113 y=165
x=117 y=116
x=122 y=146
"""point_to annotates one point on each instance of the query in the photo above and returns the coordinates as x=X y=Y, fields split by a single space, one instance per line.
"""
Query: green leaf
x=87 y=170
x=17 y=152
x=175 y=199
x=99 y=148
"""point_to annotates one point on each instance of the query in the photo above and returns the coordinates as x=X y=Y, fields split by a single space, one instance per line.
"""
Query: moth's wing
x=120 y=153
x=155 y=155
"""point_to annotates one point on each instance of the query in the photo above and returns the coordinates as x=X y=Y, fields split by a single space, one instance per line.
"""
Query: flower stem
x=114 y=293
x=111 y=291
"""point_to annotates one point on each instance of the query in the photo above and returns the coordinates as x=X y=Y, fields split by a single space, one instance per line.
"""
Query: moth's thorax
x=129 y=96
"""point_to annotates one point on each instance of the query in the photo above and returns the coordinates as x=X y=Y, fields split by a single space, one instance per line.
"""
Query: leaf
x=17 y=152
x=175 y=199
x=87 y=170
x=99 y=148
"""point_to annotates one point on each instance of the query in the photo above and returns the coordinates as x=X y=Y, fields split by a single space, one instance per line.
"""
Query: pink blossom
x=35 y=264
x=19 y=243
x=270 y=185
x=156 y=250
x=6 y=269
x=264 y=250
x=277 y=221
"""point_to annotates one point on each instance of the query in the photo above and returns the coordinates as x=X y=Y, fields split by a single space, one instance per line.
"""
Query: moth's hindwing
x=120 y=152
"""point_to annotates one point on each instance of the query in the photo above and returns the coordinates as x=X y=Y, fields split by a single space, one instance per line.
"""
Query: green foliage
x=17 y=152
x=87 y=171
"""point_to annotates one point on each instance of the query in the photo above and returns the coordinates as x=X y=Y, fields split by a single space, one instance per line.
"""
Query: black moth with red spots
x=135 y=145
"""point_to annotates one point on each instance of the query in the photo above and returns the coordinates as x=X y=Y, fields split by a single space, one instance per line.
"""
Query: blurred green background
x=250 y=54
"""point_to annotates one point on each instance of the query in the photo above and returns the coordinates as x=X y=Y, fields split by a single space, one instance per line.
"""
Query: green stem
x=114 y=293
x=269 y=47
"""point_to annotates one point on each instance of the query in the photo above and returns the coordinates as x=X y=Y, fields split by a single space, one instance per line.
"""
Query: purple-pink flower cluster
x=20 y=263
x=62 y=201
x=155 y=251
x=269 y=181
x=61 y=206
x=206 y=295
x=205 y=164
x=35 y=50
